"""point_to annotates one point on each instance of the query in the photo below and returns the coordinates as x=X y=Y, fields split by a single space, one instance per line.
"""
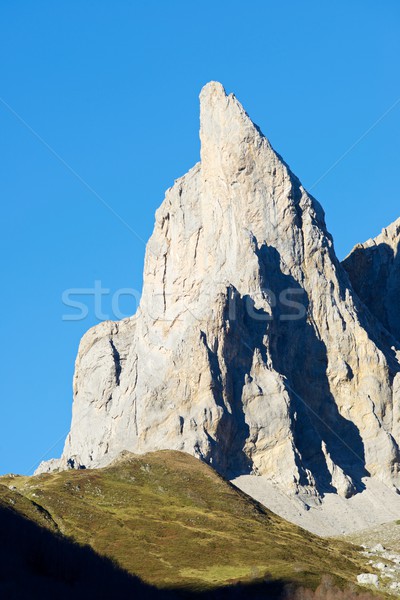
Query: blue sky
x=99 y=103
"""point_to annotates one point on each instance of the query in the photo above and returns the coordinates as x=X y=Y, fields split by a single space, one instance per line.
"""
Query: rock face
x=368 y=579
x=250 y=349
x=374 y=271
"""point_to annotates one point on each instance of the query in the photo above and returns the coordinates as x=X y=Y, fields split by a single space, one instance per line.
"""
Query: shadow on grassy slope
x=37 y=563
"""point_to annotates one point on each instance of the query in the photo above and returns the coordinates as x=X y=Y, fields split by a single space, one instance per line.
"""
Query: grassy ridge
x=174 y=522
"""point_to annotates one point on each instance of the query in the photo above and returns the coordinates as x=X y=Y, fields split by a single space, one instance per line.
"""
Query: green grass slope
x=36 y=563
x=171 y=520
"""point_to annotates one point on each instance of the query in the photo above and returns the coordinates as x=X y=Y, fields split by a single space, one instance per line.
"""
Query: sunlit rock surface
x=249 y=349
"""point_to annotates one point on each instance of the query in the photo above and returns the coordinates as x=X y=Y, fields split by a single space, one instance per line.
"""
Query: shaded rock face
x=374 y=271
x=249 y=349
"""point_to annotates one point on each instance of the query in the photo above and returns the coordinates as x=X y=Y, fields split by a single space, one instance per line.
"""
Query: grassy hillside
x=38 y=564
x=174 y=522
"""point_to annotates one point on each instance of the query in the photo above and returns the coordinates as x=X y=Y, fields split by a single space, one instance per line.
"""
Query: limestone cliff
x=250 y=349
x=374 y=271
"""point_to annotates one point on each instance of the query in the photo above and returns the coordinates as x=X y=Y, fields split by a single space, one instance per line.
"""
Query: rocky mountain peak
x=374 y=271
x=250 y=349
x=226 y=132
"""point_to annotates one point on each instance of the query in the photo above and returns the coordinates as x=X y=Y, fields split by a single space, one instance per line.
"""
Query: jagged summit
x=223 y=119
x=389 y=235
x=374 y=270
x=250 y=349
x=212 y=89
x=228 y=136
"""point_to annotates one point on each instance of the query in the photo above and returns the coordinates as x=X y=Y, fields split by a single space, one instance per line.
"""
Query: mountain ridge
x=374 y=271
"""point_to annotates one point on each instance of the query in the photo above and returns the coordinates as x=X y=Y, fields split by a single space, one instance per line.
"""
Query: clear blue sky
x=112 y=87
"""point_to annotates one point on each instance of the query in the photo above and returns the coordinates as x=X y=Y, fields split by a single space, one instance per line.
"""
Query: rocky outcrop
x=374 y=271
x=249 y=349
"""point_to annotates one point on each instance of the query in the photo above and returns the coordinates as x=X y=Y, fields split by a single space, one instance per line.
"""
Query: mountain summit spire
x=226 y=132
x=250 y=349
